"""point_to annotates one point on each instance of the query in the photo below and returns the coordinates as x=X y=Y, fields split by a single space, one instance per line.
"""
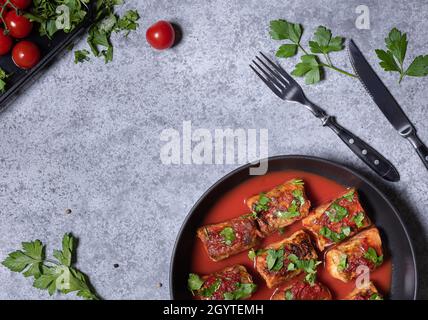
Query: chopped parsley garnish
x=209 y=291
x=275 y=259
x=334 y=236
x=375 y=296
x=298 y=182
x=336 y=213
x=289 y=295
x=228 y=235
x=194 y=282
x=372 y=256
x=293 y=210
x=343 y=262
x=308 y=266
x=349 y=196
x=358 y=219
x=242 y=291
x=262 y=204
x=3 y=78
x=298 y=194
x=252 y=254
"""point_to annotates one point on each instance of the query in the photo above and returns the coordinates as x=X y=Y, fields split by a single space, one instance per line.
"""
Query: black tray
x=49 y=48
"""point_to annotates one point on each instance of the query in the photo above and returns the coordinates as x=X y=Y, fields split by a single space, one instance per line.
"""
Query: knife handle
x=420 y=148
x=365 y=152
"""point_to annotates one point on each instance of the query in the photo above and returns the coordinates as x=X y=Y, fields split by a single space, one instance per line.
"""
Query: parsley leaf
x=349 y=195
x=275 y=259
x=51 y=275
x=393 y=58
x=308 y=266
x=284 y=30
x=262 y=204
x=128 y=22
x=358 y=219
x=209 y=291
x=289 y=295
x=228 y=235
x=334 y=236
x=252 y=254
x=81 y=56
x=324 y=43
x=3 y=77
x=372 y=256
x=309 y=68
x=194 y=282
x=375 y=296
x=343 y=262
x=336 y=213
x=298 y=182
x=419 y=67
x=242 y=291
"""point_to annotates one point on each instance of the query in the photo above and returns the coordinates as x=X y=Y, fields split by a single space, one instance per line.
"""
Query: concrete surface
x=86 y=137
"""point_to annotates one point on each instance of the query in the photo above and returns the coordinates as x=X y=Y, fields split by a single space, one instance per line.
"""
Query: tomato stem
x=3 y=8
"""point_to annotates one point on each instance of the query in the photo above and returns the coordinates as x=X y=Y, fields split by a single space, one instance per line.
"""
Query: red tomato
x=5 y=43
x=21 y=4
x=18 y=25
x=26 y=54
x=161 y=35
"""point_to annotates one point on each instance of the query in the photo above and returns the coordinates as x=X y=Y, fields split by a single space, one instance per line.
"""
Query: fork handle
x=364 y=151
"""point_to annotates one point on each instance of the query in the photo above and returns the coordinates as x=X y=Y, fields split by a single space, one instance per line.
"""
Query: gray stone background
x=86 y=137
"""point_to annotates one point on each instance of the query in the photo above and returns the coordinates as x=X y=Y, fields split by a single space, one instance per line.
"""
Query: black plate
x=50 y=49
x=385 y=216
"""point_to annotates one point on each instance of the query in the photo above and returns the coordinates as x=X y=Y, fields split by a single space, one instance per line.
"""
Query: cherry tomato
x=5 y=43
x=26 y=54
x=18 y=25
x=161 y=35
x=21 y=4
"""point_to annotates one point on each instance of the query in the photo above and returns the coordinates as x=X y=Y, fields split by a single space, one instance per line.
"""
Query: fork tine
x=274 y=73
x=279 y=69
x=267 y=82
x=271 y=77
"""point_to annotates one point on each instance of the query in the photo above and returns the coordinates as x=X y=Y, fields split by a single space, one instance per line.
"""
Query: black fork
x=286 y=88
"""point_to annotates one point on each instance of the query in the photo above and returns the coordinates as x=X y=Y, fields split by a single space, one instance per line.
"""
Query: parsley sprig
x=322 y=44
x=393 y=58
x=51 y=275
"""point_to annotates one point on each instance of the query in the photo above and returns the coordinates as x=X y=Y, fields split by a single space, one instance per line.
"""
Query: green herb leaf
x=128 y=22
x=393 y=58
x=194 y=282
x=284 y=30
x=81 y=56
x=308 y=266
x=242 y=291
x=309 y=68
x=343 y=262
x=289 y=295
x=375 y=296
x=252 y=254
x=349 y=195
x=262 y=204
x=372 y=256
x=3 y=77
x=298 y=194
x=51 y=275
x=228 y=235
x=275 y=259
x=208 y=292
x=287 y=50
x=419 y=67
x=298 y=182
x=324 y=43
x=336 y=213
x=359 y=219
x=334 y=236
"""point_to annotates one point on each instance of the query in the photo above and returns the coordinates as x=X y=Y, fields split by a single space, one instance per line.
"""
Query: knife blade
x=385 y=101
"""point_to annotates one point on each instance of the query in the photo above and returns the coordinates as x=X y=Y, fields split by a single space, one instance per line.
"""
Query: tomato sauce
x=319 y=190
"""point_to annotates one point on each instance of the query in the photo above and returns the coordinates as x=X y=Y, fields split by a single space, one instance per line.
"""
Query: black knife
x=385 y=101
